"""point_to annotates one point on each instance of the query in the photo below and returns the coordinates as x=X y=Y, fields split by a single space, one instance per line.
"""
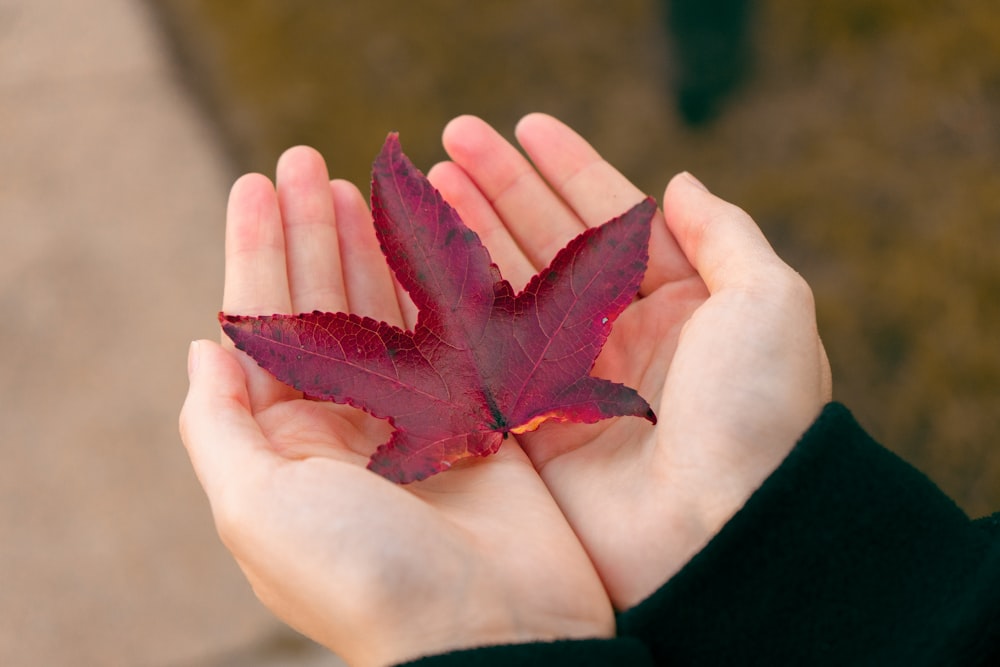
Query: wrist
x=467 y=615
x=421 y=642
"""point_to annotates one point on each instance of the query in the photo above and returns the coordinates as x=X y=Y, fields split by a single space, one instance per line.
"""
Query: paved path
x=112 y=193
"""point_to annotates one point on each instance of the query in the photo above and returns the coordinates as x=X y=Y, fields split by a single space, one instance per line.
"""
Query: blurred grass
x=866 y=143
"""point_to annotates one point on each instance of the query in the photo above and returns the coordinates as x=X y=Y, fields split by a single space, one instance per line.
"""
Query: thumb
x=217 y=426
x=780 y=360
x=722 y=242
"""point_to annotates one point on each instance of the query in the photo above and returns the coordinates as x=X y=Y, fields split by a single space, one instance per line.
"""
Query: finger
x=779 y=360
x=537 y=219
x=367 y=280
x=719 y=239
x=217 y=426
x=575 y=170
x=475 y=210
x=256 y=281
x=313 y=258
x=595 y=190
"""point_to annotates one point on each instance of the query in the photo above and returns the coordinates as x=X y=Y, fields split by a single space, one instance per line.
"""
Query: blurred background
x=863 y=136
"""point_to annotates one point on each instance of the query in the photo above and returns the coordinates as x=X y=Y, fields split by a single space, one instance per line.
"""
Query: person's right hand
x=721 y=341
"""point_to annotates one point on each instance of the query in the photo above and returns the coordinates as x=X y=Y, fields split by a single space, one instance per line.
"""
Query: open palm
x=377 y=572
x=530 y=543
x=721 y=332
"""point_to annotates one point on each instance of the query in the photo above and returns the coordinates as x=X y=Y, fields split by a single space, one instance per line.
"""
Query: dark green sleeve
x=845 y=556
x=571 y=653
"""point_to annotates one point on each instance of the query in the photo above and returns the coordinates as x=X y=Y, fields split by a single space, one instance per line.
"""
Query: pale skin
x=545 y=539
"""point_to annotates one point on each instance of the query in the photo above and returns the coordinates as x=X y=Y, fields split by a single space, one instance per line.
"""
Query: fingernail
x=193 y=351
x=694 y=181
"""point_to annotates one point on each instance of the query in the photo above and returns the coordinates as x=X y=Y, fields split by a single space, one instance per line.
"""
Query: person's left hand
x=379 y=573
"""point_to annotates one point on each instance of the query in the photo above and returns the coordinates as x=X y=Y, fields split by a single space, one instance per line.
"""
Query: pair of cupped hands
x=545 y=539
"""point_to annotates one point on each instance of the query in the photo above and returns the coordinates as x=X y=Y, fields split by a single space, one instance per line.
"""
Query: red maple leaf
x=481 y=362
